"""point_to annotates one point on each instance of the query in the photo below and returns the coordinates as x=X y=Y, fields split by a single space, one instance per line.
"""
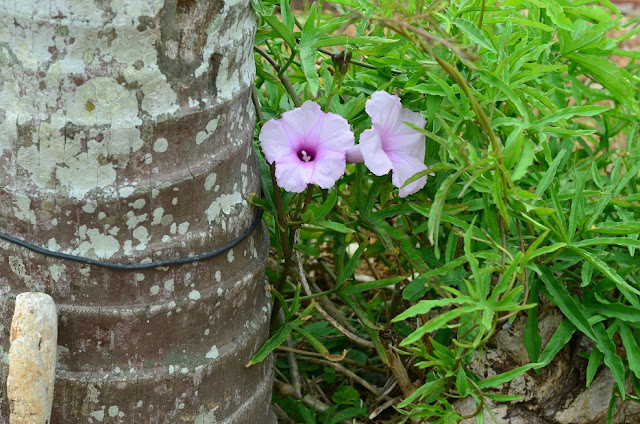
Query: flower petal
x=328 y=168
x=374 y=156
x=406 y=145
x=354 y=155
x=334 y=133
x=274 y=141
x=407 y=115
x=293 y=175
x=403 y=170
x=299 y=122
x=385 y=111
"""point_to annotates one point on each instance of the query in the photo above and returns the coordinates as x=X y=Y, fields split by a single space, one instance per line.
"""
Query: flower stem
x=284 y=79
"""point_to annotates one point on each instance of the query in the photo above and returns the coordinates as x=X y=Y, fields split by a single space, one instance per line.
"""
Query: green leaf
x=630 y=344
x=608 y=74
x=276 y=340
x=551 y=172
x=566 y=303
x=507 y=376
x=344 y=40
x=595 y=358
x=526 y=159
x=424 y=306
x=571 y=112
x=438 y=204
x=438 y=322
x=532 y=338
x=609 y=272
x=476 y=35
x=282 y=30
x=617 y=310
x=335 y=226
x=308 y=54
x=372 y=285
x=347 y=270
x=491 y=80
x=576 y=205
x=320 y=212
x=621 y=228
x=559 y=339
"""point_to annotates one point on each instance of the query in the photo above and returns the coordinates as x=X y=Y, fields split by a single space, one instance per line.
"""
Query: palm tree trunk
x=126 y=134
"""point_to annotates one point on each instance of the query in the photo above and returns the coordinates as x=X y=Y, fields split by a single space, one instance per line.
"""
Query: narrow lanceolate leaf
x=348 y=269
x=276 y=340
x=630 y=344
x=608 y=74
x=424 y=306
x=282 y=30
x=559 y=339
x=308 y=54
x=507 y=376
x=438 y=204
x=576 y=205
x=475 y=35
x=551 y=172
x=611 y=358
x=606 y=270
x=571 y=112
x=440 y=321
x=567 y=304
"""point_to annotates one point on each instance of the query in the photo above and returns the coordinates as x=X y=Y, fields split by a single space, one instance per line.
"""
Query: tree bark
x=126 y=134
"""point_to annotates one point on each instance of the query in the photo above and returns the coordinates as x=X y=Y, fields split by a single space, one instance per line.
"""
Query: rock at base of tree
x=32 y=359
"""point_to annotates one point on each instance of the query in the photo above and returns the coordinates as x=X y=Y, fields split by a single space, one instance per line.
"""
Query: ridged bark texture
x=126 y=134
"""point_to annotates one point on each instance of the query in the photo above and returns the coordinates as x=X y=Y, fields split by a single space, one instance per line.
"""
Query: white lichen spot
x=157 y=216
x=142 y=235
x=155 y=192
x=223 y=204
x=169 y=285
x=212 y=126
x=138 y=204
x=56 y=271
x=126 y=191
x=139 y=277
x=160 y=145
x=230 y=256
x=173 y=228
x=154 y=290
x=113 y=411
x=89 y=207
x=206 y=332
x=22 y=209
x=102 y=215
x=194 y=295
x=219 y=291
x=171 y=369
x=184 y=370
x=213 y=352
x=210 y=181
x=201 y=137
x=218 y=276
x=98 y=415
x=174 y=201
x=166 y=239
x=182 y=228
x=103 y=246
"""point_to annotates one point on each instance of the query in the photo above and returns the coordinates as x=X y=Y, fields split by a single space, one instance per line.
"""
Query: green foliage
x=532 y=133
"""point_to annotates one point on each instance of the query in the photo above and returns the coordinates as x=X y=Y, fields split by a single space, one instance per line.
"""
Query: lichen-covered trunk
x=126 y=135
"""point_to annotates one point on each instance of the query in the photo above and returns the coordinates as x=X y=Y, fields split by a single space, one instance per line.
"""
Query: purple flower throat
x=306 y=153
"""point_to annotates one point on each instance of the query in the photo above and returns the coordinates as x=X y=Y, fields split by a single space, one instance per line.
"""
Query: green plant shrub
x=532 y=137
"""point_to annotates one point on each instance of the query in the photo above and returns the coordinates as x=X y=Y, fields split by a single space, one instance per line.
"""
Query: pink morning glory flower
x=391 y=145
x=308 y=146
